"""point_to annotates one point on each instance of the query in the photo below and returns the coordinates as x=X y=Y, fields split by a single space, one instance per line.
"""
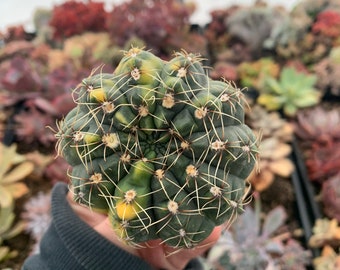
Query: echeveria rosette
x=294 y=90
x=159 y=147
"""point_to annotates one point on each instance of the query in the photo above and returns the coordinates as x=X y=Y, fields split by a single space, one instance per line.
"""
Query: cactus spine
x=159 y=147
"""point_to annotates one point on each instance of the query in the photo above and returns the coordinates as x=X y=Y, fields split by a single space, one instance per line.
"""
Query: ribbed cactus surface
x=159 y=147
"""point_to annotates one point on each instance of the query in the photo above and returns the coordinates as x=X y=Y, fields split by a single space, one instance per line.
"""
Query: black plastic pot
x=308 y=208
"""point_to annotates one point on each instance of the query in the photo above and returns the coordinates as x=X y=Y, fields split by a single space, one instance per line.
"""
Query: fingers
x=162 y=256
x=84 y=213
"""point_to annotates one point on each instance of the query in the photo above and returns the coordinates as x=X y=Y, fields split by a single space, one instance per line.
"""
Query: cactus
x=159 y=147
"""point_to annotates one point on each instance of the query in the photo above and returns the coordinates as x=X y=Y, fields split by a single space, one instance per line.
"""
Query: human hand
x=163 y=256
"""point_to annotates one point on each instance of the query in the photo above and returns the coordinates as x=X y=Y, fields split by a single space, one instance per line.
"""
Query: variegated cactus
x=159 y=147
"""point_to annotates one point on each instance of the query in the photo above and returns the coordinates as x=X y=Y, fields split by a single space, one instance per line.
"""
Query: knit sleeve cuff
x=72 y=244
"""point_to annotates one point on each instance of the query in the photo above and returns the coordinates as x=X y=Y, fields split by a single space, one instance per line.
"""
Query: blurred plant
x=325 y=232
x=328 y=72
x=235 y=54
x=56 y=171
x=8 y=229
x=329 y=259
x=293 y=38
x=36 y=216
x=252 y=74
x=312 y=8
x=162 y=24
x=327 y=24
x=15 y=48
x=20 y=76
x=57 y=58
x=322 y=161
x=3 y=124
x=13 y=168
x=269 y=124
x=275 y=133
x=253 y=243
x=216 y=32
x=318 y=125
x=16 y=32
x=41 y=20
x=254 y=25
x=75 y=17
x=331 y=196
x=224 y=70
x=274 y=162
x=31 y=125
x=285 y=39
x=292 y=91
x=89 y=49
x=40 y=161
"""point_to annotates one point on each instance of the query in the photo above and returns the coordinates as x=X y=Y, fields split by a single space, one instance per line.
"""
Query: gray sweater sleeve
x=70 y=244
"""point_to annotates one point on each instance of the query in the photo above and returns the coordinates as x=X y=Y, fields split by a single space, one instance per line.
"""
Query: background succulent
x=145 y=20
x=322 y=162
x=253 y=25
x=292 y=91
x=160 y=147
x=329 y=259
x=269 y=124
x=8 y=227
x=255 y=243
x=318 y=125
x=36 y=217
x=252 y=74
x=331 y=197
x=327 y=24
x=274 y=162
x=276 y=134
x=325 y=232
x=14 y=168
x=327 y=71
x=78 y=17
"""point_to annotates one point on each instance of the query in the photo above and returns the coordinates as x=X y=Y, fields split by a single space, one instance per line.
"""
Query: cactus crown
x=160 y=147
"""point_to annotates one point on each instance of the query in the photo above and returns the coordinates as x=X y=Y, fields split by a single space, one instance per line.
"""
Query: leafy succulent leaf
x=273 y=85
x=283 y=167
x=274 y=219
x=307 y=100
x=18 y=173
x=8 y=157
x=271 y=102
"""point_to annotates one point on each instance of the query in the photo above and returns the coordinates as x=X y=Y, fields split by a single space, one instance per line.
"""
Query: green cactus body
x=159 y=147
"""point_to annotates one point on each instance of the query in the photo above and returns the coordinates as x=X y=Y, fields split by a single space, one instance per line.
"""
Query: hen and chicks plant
x=292 y=91
x=318 y=129
x=159 y=147
x=253 y=242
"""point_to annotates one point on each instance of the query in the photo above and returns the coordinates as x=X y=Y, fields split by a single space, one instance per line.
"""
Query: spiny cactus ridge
x=160 y=147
